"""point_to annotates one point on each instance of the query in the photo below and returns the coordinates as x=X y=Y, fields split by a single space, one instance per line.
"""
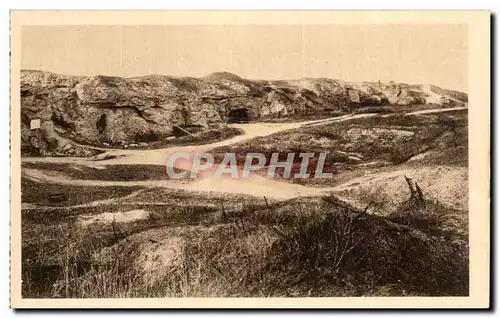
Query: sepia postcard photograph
x=250 y=159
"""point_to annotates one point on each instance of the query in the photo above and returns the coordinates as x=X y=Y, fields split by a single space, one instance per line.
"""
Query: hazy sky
x=433 y=54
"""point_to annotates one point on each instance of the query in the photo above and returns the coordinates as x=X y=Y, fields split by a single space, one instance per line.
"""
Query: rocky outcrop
x=113 y=110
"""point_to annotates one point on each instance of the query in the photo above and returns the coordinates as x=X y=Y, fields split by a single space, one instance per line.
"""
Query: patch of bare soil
x=111 y=217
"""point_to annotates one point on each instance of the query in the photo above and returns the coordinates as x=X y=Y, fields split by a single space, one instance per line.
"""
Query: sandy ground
x=443 y=183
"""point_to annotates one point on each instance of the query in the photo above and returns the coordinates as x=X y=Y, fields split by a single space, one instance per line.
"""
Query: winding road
x=255 y=185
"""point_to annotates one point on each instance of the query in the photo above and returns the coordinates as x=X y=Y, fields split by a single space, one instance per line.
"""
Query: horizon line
x=244 y=78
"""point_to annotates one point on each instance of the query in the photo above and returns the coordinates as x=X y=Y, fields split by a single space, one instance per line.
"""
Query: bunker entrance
x=239 y=115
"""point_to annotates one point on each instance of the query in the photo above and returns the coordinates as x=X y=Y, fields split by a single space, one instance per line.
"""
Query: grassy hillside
x=199 y=246
x=365 y=143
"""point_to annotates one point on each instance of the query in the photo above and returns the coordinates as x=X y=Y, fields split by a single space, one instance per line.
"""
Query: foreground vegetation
x=209 y=246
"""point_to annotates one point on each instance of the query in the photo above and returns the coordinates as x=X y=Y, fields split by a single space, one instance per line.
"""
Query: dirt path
x=437 y=110
x=446 y=184
x=254 y=186
x=159 y=156
x=251 y=131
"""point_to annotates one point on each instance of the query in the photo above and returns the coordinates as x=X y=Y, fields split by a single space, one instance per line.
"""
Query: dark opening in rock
x=238 y=115
x=101 y=124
